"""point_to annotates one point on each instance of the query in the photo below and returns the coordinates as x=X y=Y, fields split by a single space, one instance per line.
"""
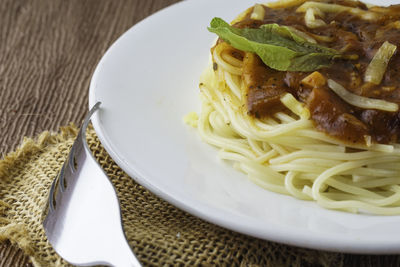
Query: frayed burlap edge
x=16 y=231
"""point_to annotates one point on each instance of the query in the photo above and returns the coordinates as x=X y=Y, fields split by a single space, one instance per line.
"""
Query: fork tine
x=61 y=177
x=51 y=196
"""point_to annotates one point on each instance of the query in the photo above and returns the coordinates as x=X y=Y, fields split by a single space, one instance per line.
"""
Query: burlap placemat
x=159 y=233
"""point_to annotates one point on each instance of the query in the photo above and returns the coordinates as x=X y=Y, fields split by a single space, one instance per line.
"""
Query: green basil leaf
x=277 y=46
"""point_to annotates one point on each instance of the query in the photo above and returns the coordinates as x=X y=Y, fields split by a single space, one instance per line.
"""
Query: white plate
x=147 y=81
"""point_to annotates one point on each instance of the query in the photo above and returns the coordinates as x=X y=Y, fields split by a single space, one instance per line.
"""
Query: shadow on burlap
x=159 y=233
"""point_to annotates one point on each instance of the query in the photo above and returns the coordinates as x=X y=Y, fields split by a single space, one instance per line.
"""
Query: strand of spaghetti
x=263 y=170
x=259 y=177
x=229 y=155
x=317 y=162
x=281 y=150
x=268 y=155
x=255 y=147
x=323 y=177
x=264 y=124
x=232 y=85
x=219 y=126
x=205 y=133
x=308 y=176
x=255 y=168
x=395 y=167
x=327 y=155
x=344 y=187
x=227 y=57
x=221 y=63
x=207 y=123
x=337 y=195
x=266 y=146
x=228 y=99
x=294 y=140
x=264 y=135
x=284 y=117
x=305 y=144
x=321 y=148
x=239 y=124
x=372 y=181
x=323 y=137
x=292 y=189
x=392 y=199
x=237 y=166
x=379 y=182
x=295 y=106
x=359 y=178
x=358 y=205
x=307 y=190
x=297 y=168
x=217 y=106
x=372 y=172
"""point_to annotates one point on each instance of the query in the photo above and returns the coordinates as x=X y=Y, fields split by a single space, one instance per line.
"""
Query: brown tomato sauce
x=350 y=35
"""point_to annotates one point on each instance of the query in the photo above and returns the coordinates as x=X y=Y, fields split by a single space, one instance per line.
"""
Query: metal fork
x=83 y=218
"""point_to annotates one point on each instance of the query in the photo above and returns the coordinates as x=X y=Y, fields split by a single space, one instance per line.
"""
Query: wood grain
x=48 y=52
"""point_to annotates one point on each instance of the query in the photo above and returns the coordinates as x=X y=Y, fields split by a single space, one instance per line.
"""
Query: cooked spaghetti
x=303 y=97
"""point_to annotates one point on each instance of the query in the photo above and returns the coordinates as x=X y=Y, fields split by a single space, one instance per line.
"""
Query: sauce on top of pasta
x=356 y=36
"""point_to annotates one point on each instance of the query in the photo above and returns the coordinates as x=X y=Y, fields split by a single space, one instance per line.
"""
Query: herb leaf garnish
x=277 y=46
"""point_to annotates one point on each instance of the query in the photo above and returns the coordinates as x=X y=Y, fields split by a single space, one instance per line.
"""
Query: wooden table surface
x=48 y=52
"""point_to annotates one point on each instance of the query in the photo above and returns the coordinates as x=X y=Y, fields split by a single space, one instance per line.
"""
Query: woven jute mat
x=159 y=233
